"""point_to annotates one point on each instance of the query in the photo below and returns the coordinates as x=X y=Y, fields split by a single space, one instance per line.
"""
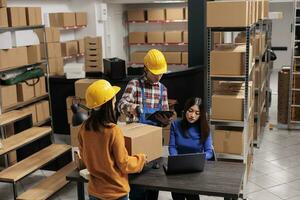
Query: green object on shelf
x=30 y=74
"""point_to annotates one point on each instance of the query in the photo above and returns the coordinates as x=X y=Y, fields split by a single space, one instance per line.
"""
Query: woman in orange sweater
x=102 y=146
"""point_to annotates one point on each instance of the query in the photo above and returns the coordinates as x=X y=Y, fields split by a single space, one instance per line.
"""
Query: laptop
x=185 y=163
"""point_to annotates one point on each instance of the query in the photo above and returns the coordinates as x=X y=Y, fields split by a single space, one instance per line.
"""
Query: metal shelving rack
x=293 y=122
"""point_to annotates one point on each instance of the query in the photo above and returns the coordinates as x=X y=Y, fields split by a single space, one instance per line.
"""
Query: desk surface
x=223 y=179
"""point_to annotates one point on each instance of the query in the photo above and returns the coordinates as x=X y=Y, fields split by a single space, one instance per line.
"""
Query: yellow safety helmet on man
x=100 y=92
x=155 y=62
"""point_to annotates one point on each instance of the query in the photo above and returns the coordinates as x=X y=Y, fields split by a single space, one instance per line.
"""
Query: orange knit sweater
x=105 y=156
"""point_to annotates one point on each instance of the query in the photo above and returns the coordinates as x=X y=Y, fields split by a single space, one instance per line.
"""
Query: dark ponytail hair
x=101 y=118
x=201 y=122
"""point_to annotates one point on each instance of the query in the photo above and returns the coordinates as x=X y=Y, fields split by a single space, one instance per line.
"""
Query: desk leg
x=80 y=191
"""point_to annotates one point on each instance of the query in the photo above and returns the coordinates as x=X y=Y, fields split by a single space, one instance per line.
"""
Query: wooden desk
x=220 y=179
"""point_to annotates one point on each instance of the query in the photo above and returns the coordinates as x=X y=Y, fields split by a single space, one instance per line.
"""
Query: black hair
x=201 y=122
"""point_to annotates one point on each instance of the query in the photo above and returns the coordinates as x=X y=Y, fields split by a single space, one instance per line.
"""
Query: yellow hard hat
x=155 y=61
x=100 y=92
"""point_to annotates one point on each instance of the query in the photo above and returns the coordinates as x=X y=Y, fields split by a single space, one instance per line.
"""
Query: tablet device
x=153 y=116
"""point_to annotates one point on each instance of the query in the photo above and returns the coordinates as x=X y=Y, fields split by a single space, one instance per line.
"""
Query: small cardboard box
x=155 y=37
x=81 y=18
x=43 y=110
x=173 y=36
x=80 y=47
x=25 y=91
x=186 y=13
x=52 y=34
x=185 y=37
x=185 y=57
x=172 y=57
x=34 y=54
x=69 y=48
x=34 y=16
x=56 y=66
x=10 y=97
x=8 y=57
x=174 y=14
x=137 y=137
x=138 y=57
x=137 y=37
x=31 y=109
x=3 y=17
x=16 y=16
x=81 y=86
x=156 y=15
x=40 y=86
x=65 y=19
x=228 y=60
x=230 y=13
x=3 y=3
x=53 y=50
x=229 y=141
x=136 y=15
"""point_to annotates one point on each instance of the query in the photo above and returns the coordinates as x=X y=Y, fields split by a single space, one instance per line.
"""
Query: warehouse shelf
x=22 y=67
x=74 y=56
x=232 y=29
x=20 y=28
x=24 y=103
x=227 y=78
x=159 y=44
x=159 y=21
x=71 y=27
x=227 y=123
x=42 y=122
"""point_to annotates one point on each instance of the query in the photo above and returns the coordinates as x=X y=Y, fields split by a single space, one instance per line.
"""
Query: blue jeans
x=121 y=198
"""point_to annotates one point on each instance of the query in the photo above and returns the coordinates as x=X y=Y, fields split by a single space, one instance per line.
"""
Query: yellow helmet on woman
x=155 y=62
x=100 y=92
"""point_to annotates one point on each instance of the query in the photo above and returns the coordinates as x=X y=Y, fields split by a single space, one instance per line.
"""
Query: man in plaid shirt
x=147 y=95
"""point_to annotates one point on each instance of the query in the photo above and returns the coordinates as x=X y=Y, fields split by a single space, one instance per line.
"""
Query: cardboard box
x=34 y=16
x=69 y=48
x=6 y=41
x=229 y=141
x=53 y=50
x=155 y=37
x=185 y=37
x=93 y=63
x=166 y=135
x=81 y=86
x=186 y=13
x=174 y=14
x=136 y=15
x=172 y=57
x=25 y=91
x=40 y=86
x=230 y=13
x=185 y=58
x=8 y=57
x=64 y=19
x=266 y=7
x=43 y=110
x=156 y=15
x=10 y=97
x=3 y=3
x=52 y=34
x=16 y=16
x=138 y=57
x=137 y=137
x=24 y=38
x=80 y=47
x=137 y=37
x=3 y=17
x=81 y=18
x=74 y=130
x=34 y=54
x=92 y=43
x=173 y=36
x=218 y=38
x=31 y=109
x=228 y=60
x=56 y=66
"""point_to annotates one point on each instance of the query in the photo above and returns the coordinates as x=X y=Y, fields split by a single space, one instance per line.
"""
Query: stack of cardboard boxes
x=68 y=19
x=93 y=54
x=172 y=57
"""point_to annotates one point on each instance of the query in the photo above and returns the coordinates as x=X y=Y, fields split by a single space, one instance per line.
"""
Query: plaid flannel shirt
x=133 y=95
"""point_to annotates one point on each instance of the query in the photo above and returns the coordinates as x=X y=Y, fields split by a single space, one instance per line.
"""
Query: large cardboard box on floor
x=154 y=37
x=31 y=109
x=3 y=17
x=16 y=16
x=138 y=57
x=34 y=54
x=229 y=141
x=40 y=86
x=156 y=14
x=34 y=16
x=81 y=18
x=185 y=57
x=43 y=110
x=174 y=14
x=137 y=37
x=10 y=97
x=230 y=14
x=56 y=66
x=138 y=137
x=136 y=15
x=3 y=3
x=25 y=90
x=52 y=34
x=65 y=19
x=69 y=48
x=173 y=36
x=172 y=57
x=81 y=86
x=53 y=50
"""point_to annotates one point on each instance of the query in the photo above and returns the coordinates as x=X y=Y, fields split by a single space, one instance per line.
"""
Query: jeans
x=121 y=198
x=179 y=196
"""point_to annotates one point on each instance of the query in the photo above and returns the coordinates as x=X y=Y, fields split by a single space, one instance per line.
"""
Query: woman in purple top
x=191 y=135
